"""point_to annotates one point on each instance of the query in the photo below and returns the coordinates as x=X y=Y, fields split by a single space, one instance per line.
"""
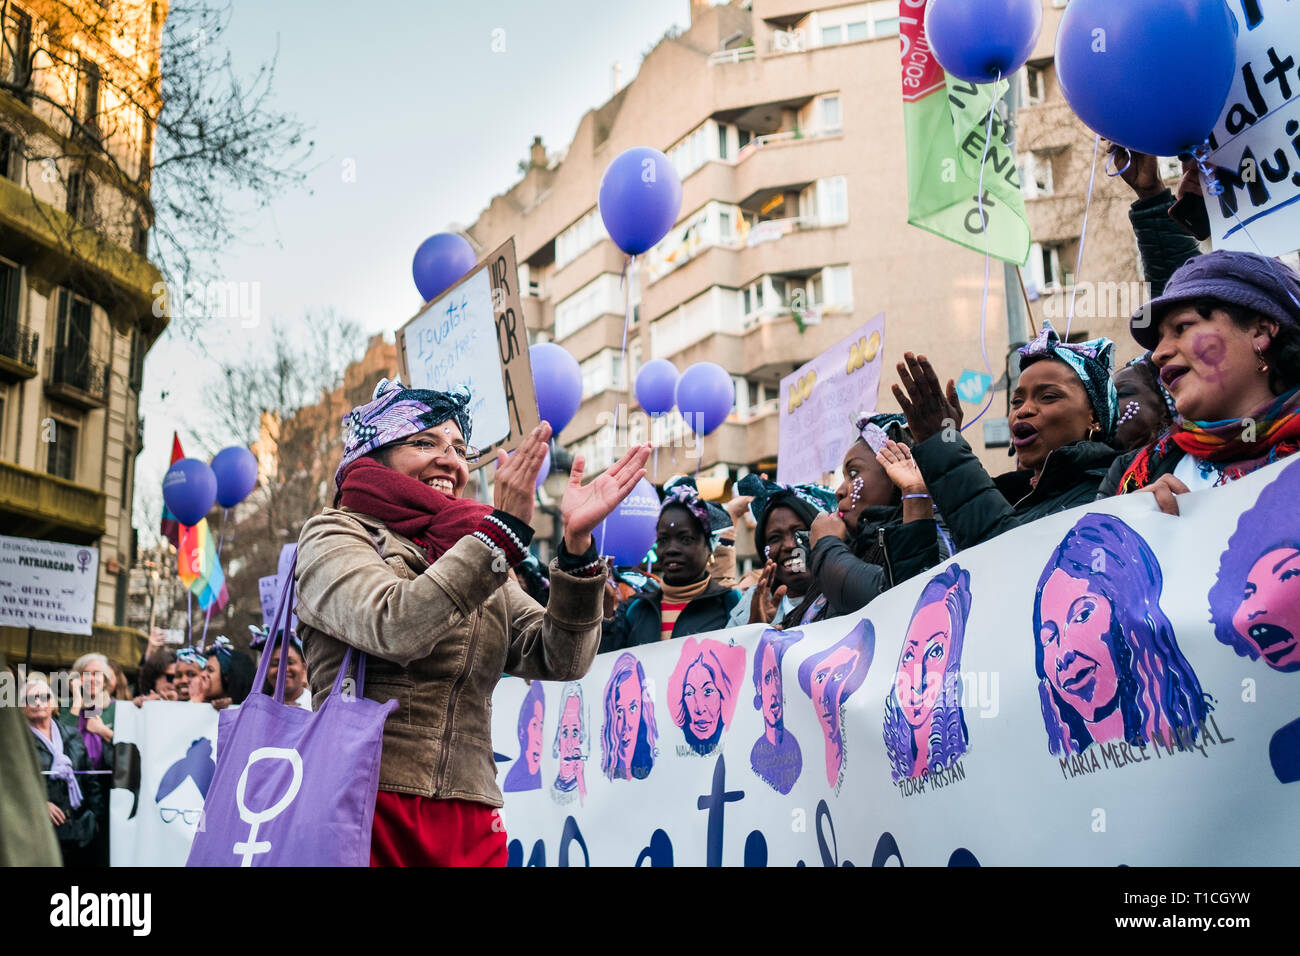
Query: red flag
x=171 y=528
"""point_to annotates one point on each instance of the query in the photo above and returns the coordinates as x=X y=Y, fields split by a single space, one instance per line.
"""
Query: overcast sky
x=419 y=118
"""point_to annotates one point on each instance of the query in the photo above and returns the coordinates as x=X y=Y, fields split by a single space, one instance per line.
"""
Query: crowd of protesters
x=407 y=569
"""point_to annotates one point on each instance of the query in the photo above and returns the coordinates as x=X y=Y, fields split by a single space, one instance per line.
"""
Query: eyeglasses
x=169 y=814
x=436 y=449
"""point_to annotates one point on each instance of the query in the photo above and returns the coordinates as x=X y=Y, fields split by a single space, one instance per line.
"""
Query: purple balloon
x=656 y=386
x=441 y=261
x=189 y=489
x=978 y=40
x=1180 y=54
x=236 y=471
x=558 y=382
x=629 y=531
x=640 y=197
x=705 y=394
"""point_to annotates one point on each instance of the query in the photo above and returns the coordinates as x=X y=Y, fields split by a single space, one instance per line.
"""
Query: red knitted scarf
x=409 y=507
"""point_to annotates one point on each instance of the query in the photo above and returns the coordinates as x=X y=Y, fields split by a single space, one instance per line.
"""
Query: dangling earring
x=711 y=559
x=1263 y=365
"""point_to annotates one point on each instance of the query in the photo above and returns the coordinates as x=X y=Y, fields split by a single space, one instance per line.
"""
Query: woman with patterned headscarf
x=1062 y=423
x=783 y=517
x=688 y=600
x=416 y=576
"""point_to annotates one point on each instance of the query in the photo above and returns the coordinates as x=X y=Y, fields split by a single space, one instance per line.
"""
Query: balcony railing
x=78 y=378
x=19 y=347
x=738 y=55
x=34 y=503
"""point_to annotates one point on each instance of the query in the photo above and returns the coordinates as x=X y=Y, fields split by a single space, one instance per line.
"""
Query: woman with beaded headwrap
x=688 y=600
x=1062 y=420
x=883 y=530
x=1144 y=406
x=416 y=576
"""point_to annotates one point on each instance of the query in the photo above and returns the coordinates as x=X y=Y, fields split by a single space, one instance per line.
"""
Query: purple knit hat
x=395 y=412
x=1245 y=279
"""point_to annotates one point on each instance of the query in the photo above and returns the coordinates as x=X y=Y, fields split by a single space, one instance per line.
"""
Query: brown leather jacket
x=439 y=638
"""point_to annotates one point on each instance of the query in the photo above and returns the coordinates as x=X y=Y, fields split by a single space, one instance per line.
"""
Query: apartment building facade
x=77 y=291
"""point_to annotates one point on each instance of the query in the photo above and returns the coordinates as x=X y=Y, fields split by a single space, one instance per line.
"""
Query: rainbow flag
x=945 y=121
x=200 y=568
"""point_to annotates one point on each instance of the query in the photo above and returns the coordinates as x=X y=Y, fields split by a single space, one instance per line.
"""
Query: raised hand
x=585 y=506
x=764 y=605
x=514 y=488
x=929 y=408
x=828 y=526
x=901 y=468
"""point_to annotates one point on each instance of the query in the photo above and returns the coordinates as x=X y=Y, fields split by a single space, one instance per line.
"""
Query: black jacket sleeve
x=972 y=507
x=848 y=582
x=1163 y=243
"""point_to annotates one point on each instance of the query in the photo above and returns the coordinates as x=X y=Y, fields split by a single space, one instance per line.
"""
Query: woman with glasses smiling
x=414 y=574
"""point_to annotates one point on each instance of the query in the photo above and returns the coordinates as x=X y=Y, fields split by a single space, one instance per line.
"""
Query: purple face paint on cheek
x=1210 y=351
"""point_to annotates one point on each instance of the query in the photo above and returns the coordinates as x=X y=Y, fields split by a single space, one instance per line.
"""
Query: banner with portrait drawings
x=1108 y=686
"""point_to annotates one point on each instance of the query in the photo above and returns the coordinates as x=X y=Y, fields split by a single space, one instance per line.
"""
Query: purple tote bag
x=292 y=787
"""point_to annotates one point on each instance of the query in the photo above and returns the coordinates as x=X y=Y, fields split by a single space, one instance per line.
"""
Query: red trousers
x=411 y=830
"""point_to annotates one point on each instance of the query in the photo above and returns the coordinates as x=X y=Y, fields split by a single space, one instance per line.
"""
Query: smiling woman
x=1225 y=336
x=417 y=577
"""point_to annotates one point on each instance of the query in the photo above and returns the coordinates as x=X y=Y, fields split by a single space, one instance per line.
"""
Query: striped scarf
x=1273 y=433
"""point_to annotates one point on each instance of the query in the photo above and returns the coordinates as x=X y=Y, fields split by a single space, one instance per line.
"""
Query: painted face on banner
x=570 y=739
x=1077 y=655
x=772 y=697
x=923 y=662
x=828 y=687
x=1269 y=615
x=703 y=702
x=627 y=717
x=533 y=745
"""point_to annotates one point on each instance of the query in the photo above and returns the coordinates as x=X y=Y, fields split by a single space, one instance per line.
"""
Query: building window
x=601 y=296
x=832 y=35
x=578 y=238
x=1032 y=86
x=722 y=141
x=137 y=360
x=16 y=50
x=884 y=18
x=1045 y=266
x=10 y=156
x=81 y=196
x=601 y=372
x=87 y=110
x=1036 y=175
x=61 y=462
x=827 y=201
x=830 y=115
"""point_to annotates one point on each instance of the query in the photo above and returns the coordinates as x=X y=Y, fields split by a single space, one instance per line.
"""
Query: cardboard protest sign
x=819 y=400
x=1096 y=688
x=1256 y=144
x=474 y=334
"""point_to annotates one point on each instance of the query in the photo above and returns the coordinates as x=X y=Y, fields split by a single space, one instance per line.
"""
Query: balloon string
x=984 y=222
x=629 y=265
x=189 y=614
x=1083 y=235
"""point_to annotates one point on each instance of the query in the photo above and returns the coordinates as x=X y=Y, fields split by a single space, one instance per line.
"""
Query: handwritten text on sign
x=475 y=335
x=819 y=400
x=1256 y=144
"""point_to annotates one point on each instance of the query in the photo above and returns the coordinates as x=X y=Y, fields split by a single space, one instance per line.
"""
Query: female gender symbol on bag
x=251 y=847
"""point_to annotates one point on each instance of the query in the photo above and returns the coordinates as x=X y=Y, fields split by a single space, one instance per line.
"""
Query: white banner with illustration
x=1109 y=686
x=165 y=755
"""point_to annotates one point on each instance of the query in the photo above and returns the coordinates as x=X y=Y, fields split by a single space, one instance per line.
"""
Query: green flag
x=945 y=120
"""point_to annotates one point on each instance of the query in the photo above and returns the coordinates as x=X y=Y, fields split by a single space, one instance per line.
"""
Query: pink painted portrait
x=703 y=689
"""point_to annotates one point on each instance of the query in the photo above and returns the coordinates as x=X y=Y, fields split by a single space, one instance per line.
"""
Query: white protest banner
x=1101 y=687
x=819 y=399
x=165 y=756
x=1256 y=143
x=474 y=334
x=48 y=585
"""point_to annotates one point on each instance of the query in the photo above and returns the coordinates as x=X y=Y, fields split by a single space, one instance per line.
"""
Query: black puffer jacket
x=1163 y=243
x=977 y=507
x=883 y=553
x=82 y=825
x=638 y=620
